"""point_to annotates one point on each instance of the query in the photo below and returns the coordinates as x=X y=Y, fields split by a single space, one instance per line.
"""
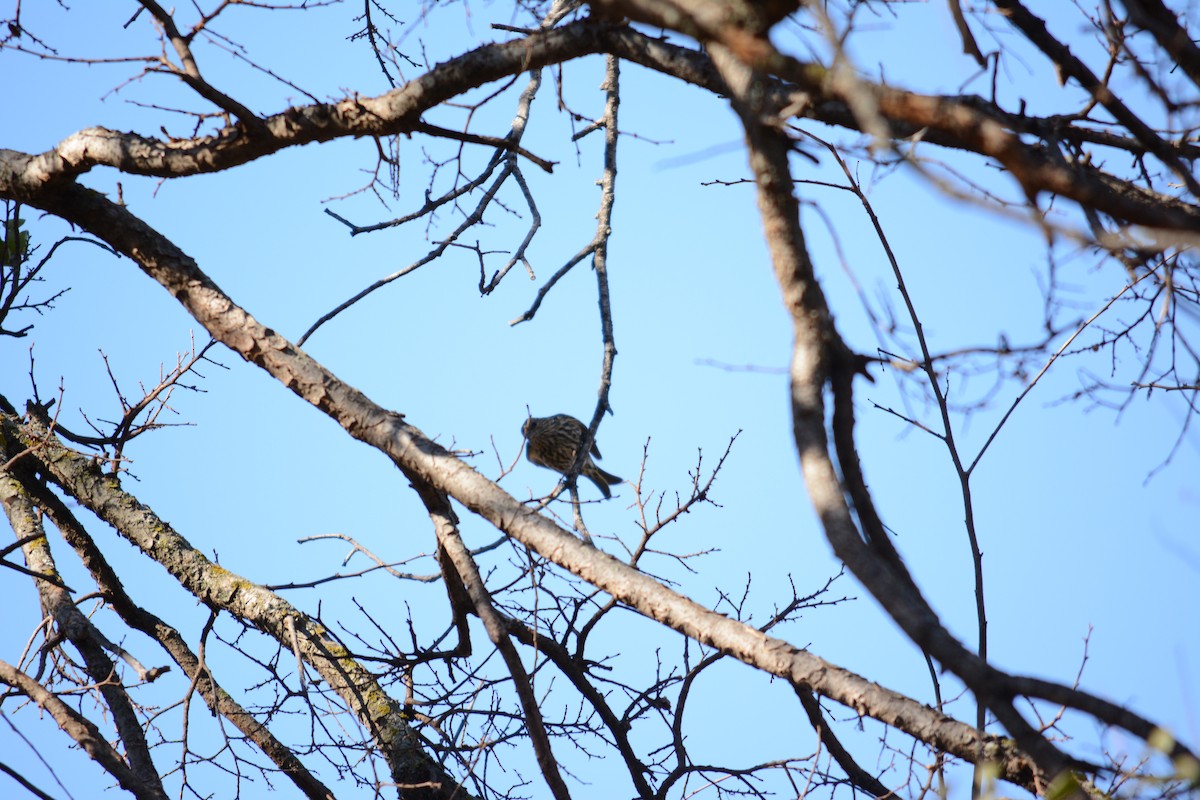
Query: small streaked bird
x=553 y=442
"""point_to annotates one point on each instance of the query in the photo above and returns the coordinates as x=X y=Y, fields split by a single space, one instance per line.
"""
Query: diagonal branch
x=445 y=524
x=1165 y=26
x=81 y=729
x=173 y=642
x=822 y=360
x=218 y=588
x=86 y=639
x=190 y=74
x=1035 y=30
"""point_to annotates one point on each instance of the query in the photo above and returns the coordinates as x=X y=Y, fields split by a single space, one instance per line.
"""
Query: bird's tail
x=602 y=479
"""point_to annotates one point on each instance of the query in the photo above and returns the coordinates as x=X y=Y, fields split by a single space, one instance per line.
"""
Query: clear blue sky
x=1077 y=542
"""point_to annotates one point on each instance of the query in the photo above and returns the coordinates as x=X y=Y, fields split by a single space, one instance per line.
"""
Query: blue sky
x=1078 y=544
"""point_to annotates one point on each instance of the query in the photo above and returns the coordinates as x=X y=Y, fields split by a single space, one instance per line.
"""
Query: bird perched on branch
x=553 y=442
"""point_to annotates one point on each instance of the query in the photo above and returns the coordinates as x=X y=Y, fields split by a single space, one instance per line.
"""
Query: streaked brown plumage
x=553 y=442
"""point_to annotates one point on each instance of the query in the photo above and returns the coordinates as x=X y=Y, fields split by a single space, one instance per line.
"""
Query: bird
x=553 y=442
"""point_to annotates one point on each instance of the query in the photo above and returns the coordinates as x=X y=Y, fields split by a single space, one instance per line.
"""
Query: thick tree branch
x=962 y=122
x=82 y=730
x=1164 y=25
x=173 y=642
x=396 y=112
x=423 y=777
x=1035 y=30
x=72 y=625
